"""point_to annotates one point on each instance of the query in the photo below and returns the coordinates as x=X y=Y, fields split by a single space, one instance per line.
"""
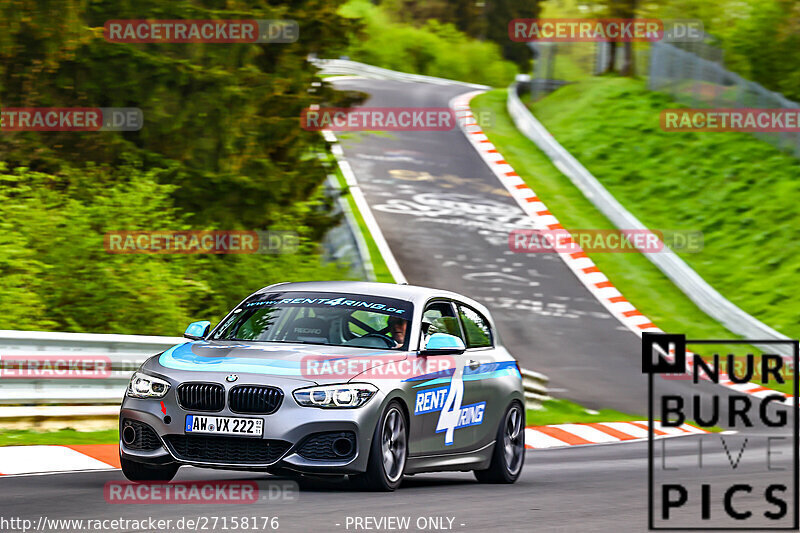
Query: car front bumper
x=290 y=428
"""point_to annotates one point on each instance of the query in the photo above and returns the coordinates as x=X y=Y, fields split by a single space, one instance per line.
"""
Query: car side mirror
x=197 y=330
x=443 y=344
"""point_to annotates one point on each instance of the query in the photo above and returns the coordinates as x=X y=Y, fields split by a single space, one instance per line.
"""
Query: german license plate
x=225 y=425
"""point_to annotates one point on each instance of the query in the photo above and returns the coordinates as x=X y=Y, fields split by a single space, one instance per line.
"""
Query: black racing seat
x=309 y=330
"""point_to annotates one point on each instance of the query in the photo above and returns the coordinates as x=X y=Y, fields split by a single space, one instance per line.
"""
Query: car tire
x=138 y=472
x=508 y=455
x=388 y=453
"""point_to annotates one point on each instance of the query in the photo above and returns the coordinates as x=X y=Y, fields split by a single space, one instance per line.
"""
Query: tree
x=625 y=9
x=481 y=19
x=221 y=120
x=498 y=14
x=221 y=148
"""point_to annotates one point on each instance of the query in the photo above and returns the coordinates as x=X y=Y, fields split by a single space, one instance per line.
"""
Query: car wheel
x=141 y=472
x=388 y=452
x=508 y=455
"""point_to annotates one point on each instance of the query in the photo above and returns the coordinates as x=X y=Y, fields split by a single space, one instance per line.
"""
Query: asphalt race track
x=446 y=218
x=597 y=488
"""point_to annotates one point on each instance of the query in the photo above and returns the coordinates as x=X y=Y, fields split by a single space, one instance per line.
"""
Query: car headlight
x=144 y=386
x=344 y=396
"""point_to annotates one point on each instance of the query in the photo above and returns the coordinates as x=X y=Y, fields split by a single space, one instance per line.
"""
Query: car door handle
x=473 y=364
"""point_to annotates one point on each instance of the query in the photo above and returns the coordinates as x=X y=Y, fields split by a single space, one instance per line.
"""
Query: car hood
x=317 y=363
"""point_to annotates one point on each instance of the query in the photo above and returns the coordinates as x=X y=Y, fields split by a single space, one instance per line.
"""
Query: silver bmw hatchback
x=369 y=380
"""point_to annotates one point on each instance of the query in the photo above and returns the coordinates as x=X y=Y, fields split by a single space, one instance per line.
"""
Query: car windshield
x=336 y=319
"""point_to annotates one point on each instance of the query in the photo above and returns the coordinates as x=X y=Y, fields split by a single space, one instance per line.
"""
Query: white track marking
x=536 y=439
x=629 y=429
x=28 y=459
x=587 y=432
x=364 y=209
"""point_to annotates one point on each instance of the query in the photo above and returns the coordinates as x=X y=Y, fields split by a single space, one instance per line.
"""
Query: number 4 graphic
x=451 y=411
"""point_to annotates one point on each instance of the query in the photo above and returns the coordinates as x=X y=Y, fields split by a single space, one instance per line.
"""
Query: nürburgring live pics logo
x=745 y=478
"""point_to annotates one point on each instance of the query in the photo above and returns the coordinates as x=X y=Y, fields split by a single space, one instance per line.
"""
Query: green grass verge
x=638 y=279
x=557 y=411
x=635 y=276
x=742 y=193
x=26 y=437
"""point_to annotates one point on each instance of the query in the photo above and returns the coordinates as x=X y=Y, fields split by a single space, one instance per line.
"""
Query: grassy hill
x=743 y=194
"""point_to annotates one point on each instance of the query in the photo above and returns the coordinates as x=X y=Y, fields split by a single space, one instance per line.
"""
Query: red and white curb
x=559 y=435
x=581 y=265
x=16 y=460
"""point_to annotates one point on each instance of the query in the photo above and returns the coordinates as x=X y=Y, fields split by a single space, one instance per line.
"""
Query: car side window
x=476 y=327
x=441 y=319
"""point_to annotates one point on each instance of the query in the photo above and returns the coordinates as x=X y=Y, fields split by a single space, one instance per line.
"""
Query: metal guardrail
x=345 y=243
x=535 y=386
x=30 y=397
x=116 y=346
x=124 y=353
x=687 y=280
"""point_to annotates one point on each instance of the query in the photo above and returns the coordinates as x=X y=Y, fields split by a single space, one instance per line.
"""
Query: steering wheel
x=390 y=343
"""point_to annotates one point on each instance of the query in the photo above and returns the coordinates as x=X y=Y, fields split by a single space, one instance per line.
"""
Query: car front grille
x=226 y=450
x=146 y=438
x=254 y=399
x=201 y=396
x=330 y=446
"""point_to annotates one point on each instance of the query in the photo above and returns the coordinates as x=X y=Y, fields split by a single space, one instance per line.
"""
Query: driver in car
x=397 y=330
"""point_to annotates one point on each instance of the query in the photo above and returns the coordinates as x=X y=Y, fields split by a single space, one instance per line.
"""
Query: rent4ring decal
x=430 y=400
x=390 y=306
x=448 y=400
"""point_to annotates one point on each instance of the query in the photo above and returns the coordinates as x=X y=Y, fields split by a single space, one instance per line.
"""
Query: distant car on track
x=371 y=380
